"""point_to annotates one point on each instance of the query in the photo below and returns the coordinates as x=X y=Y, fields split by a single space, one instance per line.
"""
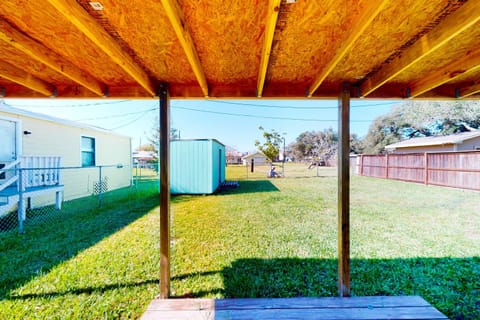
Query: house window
x=477 y=148
x=88 y=152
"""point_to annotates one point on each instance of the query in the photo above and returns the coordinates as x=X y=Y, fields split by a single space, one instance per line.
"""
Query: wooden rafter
x=42 y=54
x=74 y=13
x=468 y=63
x=272 y=16
x=469 y=90
x=371 y=10
x=21 y=77
x=175 y=15
x=452 y=26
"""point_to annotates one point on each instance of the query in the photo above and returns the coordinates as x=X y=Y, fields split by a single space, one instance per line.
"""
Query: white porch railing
x=32 y=176
x=41 y=170
x=12 y=180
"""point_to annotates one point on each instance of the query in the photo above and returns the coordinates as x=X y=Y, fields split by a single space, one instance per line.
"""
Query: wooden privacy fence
x=449 y=169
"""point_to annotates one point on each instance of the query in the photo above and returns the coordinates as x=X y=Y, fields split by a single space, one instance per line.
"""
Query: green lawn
x=268 y=238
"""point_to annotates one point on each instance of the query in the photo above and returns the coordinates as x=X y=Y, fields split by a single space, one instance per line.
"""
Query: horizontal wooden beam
x=74 y=13
x=456 y=23
x=468 y=63
x=175 y=15
x=44 y=55
x=469 y=90
x=372 y=9
x=272 y=16
x=25 y=79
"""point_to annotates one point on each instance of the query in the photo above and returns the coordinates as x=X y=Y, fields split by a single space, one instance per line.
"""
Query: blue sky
x=233 y=122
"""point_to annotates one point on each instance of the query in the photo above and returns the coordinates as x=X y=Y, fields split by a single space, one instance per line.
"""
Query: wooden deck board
x=368 y=308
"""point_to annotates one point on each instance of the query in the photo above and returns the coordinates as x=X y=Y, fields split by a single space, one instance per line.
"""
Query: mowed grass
x=268 y=238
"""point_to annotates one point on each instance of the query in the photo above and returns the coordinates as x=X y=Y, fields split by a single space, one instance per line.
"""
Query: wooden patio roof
x=240 y=49
x=295 y=49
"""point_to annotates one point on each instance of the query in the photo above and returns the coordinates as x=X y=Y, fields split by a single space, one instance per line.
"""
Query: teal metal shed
x=196 y=166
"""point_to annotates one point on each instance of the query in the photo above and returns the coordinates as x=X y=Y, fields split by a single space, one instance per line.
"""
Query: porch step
x=8 y=192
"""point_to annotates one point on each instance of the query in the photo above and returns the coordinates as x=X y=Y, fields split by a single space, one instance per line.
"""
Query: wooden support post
x=344 y=191
x=164 y=118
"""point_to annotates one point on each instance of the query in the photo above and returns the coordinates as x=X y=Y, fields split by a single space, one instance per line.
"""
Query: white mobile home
x=29 y=139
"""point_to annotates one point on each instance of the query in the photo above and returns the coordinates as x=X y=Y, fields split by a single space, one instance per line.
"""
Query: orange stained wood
x=356 y=30
x=175 y=16
x=469 y=63
x=42 y=54
x=469 y=90
x=453 y=25
x=241 y=49
x=87 y=25
x=273 y=9
x=19 y=76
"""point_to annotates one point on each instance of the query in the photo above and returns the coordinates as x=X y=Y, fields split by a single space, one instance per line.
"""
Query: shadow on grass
x=251 y=186
x=86 y=290
x=245 y=186
x=452 y=285
x=80 y=225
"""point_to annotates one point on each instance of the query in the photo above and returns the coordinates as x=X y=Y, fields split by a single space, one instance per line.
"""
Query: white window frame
x=94 y=151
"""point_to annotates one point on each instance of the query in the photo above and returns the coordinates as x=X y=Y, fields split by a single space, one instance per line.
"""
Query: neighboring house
x=234 y=157
x=257 y=157
x=144 y=159
x=464 y=141
x=196 y=166
x=33 y=140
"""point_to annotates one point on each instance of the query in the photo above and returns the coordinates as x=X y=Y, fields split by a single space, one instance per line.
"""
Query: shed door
x=219 y=166
x=8 y=150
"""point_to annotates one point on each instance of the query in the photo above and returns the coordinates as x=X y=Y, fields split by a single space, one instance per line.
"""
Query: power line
x=119 y=115
x=298 y=107
x=264 y=117
x=71 y=105
x=130 y=122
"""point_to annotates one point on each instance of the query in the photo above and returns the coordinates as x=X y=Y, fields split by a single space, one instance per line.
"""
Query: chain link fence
x=282 y=170
x=31 y=196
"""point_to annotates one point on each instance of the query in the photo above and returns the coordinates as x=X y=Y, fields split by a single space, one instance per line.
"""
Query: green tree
x=146 y=147
x=420 y=119
x=271 y=146
x=154 y=137
x=316 y=145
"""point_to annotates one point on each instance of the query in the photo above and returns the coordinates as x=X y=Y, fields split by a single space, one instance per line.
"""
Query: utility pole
x=283 y=158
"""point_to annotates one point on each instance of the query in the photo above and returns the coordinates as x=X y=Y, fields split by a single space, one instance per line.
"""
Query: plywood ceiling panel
x=388 y=48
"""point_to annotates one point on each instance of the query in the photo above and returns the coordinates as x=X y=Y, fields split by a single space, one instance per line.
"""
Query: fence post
x=100 y=186
x=361 y=164
x=426 y=168
x=136 y=176
x=386 y=166
x=21 y=204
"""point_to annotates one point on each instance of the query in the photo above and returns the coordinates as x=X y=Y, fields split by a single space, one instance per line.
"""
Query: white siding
x=49 y=138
